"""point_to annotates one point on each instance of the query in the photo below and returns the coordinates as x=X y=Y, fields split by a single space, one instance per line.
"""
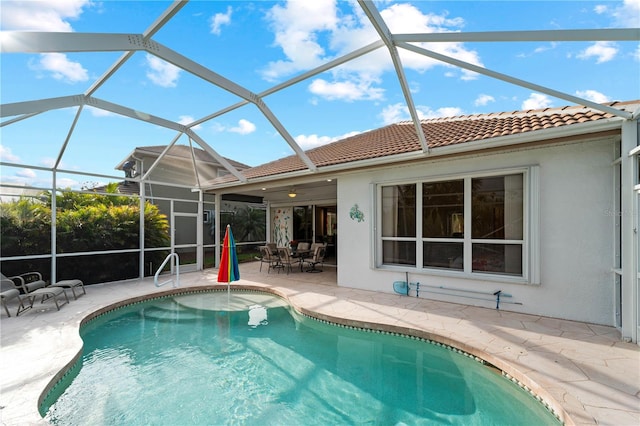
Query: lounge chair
x=29 y=282
x=32 y=285
x=72 y=285
x=8 y=292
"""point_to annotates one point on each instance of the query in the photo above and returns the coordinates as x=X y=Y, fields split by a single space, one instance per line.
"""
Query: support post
x=629 y=238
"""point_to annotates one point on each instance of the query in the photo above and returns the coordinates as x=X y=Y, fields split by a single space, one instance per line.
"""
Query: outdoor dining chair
x=317 y=259
x=268 y=257
x=286 y=260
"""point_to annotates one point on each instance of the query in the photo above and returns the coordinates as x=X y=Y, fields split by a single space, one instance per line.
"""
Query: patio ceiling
x=130 y=43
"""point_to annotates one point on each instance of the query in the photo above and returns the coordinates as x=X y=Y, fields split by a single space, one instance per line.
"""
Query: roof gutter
x=580 y=129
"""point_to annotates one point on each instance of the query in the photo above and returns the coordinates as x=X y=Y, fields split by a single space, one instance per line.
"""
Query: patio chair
x=32 y=285
x=286 y=260
x=317 y=259
x=268 y=257
x=8 y=292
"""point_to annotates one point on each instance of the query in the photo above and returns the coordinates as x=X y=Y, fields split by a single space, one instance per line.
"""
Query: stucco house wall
x=576 y=231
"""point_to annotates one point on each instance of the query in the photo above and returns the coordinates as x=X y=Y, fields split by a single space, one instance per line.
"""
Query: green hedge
x=84 y=222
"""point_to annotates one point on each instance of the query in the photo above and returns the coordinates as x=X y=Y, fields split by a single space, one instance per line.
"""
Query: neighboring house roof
x=179 y=151
x=401 y=138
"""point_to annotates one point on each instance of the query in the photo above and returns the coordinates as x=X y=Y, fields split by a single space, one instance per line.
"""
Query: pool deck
x=581 y=370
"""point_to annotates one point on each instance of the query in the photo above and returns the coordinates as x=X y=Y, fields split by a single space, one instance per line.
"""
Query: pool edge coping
x=506 y=369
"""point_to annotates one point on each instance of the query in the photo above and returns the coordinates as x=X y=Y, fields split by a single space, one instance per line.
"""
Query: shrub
x=84 y=223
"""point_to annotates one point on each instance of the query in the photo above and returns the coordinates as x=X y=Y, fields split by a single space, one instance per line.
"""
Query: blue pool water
x=248 y=358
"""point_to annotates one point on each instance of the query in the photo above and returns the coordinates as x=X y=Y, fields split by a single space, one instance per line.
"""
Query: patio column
x=218 y=204
x=54 y=229
x=200 y=232
x=141 y=227
x=629 y=238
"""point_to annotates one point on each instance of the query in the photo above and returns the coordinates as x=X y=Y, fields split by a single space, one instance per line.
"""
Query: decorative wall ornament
x=281 y=226
x=356 y=214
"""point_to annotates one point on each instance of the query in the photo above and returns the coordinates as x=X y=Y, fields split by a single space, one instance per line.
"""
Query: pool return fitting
x=403 y=287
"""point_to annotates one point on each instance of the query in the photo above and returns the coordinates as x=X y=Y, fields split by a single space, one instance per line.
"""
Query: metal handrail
x=176 y=282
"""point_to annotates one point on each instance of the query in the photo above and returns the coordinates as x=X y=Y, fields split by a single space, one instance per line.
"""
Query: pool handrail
x=175 y=282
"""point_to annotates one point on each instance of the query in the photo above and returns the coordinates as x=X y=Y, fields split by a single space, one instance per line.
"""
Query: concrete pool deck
x=582 y=370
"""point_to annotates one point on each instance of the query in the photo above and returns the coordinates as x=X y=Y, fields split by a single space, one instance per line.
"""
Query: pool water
x=214 y=358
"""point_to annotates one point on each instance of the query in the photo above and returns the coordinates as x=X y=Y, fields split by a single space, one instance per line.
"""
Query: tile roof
x=401 y=137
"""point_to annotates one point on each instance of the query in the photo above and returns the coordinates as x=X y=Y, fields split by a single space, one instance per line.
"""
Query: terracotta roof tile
x=401 y=137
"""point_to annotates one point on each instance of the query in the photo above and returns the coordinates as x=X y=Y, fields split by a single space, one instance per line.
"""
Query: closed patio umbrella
x=228 y=270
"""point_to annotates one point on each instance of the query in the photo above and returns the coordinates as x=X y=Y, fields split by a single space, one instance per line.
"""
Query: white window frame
x=530 y=238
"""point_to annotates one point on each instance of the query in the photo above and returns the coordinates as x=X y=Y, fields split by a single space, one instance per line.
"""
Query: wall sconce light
x=292 y=193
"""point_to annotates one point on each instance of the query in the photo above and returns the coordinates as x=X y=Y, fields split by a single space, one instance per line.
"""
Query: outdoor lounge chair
x=71 y=284
x=317 y=259
x=32 y=285
x=29 y=282
x=8 y=292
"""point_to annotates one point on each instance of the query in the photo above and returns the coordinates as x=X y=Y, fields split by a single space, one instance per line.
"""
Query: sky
x=259 y=44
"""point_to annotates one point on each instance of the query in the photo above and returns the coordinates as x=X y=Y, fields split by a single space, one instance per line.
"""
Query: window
x=399 y=224
x=472 y=225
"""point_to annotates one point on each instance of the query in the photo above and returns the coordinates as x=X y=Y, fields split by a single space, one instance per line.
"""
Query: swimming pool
x=249 y=358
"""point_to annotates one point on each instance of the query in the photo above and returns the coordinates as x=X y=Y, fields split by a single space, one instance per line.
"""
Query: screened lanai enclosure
x=141 y=116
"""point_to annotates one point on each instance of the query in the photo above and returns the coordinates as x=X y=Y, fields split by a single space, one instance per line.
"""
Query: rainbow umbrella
x=228 y=270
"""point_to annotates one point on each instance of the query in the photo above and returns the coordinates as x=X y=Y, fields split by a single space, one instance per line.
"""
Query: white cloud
x=48 y=162
x=600 y=9
x=299 y=32
x=161 y=72
x=187 y=119
x=47 y=16
x=244 y=127
x=593 y=96
x=220 y=19
x=603 y=51
x=536 y=101
x=483 y=100
x=425 y=112
x=399 y=112
x=68 y=183
x=60 y=67
x=26 y=173
x=626 y=15
x=394 y=113
x=313 y=141
x=41 y=15
x=297 y=26
x=99 y=112
x=346 y=90
x=7 y=155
